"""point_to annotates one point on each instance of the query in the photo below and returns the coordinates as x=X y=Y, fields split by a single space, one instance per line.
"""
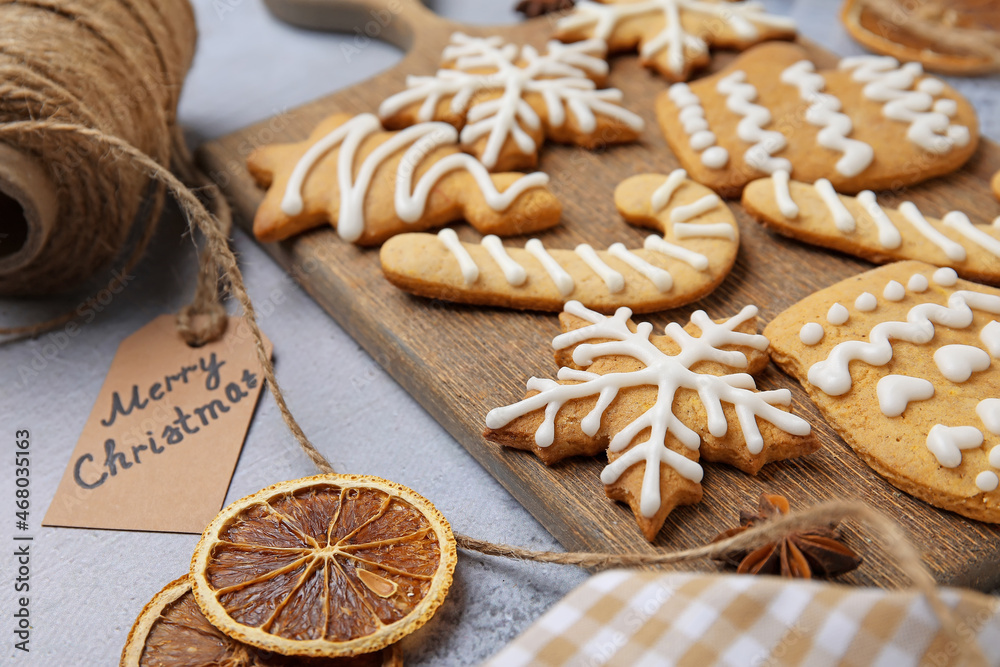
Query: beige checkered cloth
x=642 y=619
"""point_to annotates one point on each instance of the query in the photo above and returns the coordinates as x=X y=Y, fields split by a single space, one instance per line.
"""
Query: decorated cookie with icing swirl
x=693 y=253
x=372 y=184
x=910 y=380
x=658 y=404
x=868 y=124
x=507 y=100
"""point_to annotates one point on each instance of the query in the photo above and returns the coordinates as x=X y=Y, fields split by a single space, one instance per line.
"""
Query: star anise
x=533 y=8
x=815 y=552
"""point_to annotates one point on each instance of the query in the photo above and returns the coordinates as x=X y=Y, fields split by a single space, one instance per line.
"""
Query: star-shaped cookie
x=656 y=403
x=372 y=184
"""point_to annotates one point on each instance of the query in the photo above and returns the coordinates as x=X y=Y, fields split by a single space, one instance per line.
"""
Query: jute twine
x=133 y=159
x=113 y=68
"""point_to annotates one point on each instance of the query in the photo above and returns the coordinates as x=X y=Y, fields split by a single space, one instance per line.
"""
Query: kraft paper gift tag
x=159 y=448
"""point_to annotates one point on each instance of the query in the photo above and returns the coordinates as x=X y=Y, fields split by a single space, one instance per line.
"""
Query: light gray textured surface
x=87 y=586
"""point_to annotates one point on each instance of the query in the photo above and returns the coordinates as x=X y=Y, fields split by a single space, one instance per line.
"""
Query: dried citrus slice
x=171 y=631
x=331 y=565
x=973 y=22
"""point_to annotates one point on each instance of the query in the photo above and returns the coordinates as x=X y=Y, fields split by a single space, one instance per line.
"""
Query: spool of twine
x=67 y=207
x=86 y=86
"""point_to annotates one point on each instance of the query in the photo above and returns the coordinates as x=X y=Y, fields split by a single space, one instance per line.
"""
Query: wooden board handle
x=403 y=23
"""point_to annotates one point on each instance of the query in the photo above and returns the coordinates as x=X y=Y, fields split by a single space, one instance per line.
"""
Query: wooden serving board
x=460 y=361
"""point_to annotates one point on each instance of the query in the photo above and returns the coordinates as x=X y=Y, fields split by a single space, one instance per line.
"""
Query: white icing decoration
x=739 y=99
x=960 y=222
x=659 y=244
x=947 y=443
x=945 y=277
x=894 y=291
x=837 y=314
x=889 y=83
x=952 y=250
x=866 y=302
x=990 y=335
x=888 y=236
x=470 y=272
x=959 y=362
x=512 y=271
x=560 y=78
x=824 y=112
x=918 y=283
x=718 y=230
x=668 y=373
x=895 y=392
x=995 y=455
x=421 y=140
x=988 y=410
x=681 y=46
x=663 y=194
x=563 y=281
x=660 y=278
x=695 y=208
x=987 y=481
x=946 y=106
x=842 y=218
x=715 y=157
x=692 y=117
x=811 y=333
x=832 y=375
x=614 y=280
x=782 y=195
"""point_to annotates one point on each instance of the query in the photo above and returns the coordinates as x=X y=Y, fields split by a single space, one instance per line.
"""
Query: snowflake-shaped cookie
x=506 y=101
x=673 y=36
x=639 y=395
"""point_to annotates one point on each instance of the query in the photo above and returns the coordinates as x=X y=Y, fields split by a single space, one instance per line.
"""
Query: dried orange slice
x=973 y=24
x=171 y=631
x=331 y=565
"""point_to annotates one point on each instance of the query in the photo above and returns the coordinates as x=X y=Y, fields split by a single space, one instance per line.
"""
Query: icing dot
x=990 y=335
x=987 y=481
x=894 y=291
x=811 y=333
x=946 y=106
x=918 y=283
x=837 y=314
x=702 y=139
x=931 y=86
x=715 y=157
x=946 y=277
x=866 y=302
x=995 y=457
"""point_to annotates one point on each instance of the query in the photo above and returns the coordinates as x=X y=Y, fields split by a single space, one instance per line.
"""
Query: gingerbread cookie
x=696 y=252
x=372 y=184
x=506 y=101
x=900 y=362
x=656 y=403
x=869 y=124
x=860 y=226
x=673 y=36
x=995 y=185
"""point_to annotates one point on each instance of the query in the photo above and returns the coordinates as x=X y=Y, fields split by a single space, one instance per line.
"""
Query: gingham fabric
x=640 y=619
